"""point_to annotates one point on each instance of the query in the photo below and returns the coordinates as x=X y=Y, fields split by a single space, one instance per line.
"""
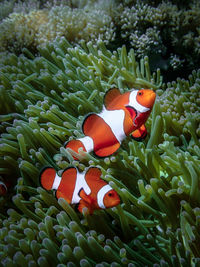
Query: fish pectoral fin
x=87 y=199
x=107 y=151
x=82 y=205
x=109 y=96
x=140 y=133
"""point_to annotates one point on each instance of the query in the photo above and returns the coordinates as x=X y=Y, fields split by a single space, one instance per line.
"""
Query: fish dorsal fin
x=68 y=172
x=93 y=173
x=110 y=95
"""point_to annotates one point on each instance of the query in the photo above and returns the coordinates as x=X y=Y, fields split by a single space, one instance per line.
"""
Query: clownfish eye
x=139 y=93
x=110 y=194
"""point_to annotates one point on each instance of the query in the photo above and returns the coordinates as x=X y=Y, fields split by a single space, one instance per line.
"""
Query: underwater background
x=57 y=60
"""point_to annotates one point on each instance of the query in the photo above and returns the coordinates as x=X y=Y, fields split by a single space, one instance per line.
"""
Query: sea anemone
x=44 y=99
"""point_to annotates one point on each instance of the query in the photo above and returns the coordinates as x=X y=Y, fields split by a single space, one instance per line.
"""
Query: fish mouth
x=153 y=97
x=115 y=203
x=132 y=112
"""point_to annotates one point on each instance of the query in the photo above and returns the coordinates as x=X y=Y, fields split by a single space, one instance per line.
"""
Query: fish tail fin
x=75 y=145
x=47 y=177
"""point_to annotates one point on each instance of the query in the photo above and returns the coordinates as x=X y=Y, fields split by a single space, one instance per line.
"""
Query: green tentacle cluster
x=180 y=107
x=44 y=100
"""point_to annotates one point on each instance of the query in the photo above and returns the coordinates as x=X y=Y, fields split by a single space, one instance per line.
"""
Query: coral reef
x=44 y=99
x=41 y=26
x=13 y=6
x=141 y=24
x=19 y=30
x=6 y=7
x=167 y=31
x=89 y=23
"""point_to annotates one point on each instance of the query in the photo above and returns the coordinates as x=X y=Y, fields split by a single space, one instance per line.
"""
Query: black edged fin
x=44 y=173
x=80 y=192
x=41 y=172
x=93 y=173
x=87 y=123
x=68 y=168
x=106 y=151
x=139 y=134
x=110 y=95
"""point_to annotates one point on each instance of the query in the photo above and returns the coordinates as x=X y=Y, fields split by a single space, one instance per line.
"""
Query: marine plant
x=44 y=99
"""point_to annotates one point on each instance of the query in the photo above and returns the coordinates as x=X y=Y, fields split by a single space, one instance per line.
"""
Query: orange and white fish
x=3 y=188
x=86 y=189
x=122 y=115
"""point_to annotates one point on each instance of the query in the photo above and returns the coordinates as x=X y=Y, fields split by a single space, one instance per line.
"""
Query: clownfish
x=86 y=189
x=3 y=188
x=122 y=115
